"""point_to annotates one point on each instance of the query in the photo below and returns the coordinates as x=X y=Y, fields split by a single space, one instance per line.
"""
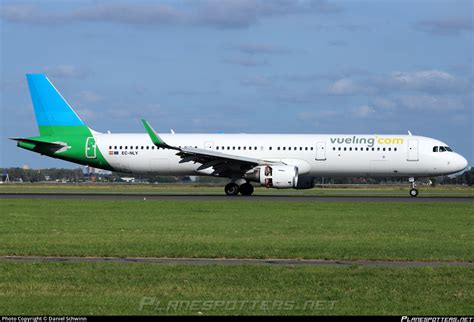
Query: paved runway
x=208 y=197
x=233 y=261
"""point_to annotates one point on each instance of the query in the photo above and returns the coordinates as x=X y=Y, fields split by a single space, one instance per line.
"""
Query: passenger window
x=350 y=149
x=390 y=149
x=306 y=148
x=312 y=148
x=345 y=149
x=110 y=147
x=355 y=148
x=255 y=148
x=394 y=149
x=334 y=148
x=270 y=148
x=278 y=148
x=147 y=147
x=115 y=147
x=284 y=148
x=289 y=148
x=384 y=149
x=120 y=147
x=373 y=149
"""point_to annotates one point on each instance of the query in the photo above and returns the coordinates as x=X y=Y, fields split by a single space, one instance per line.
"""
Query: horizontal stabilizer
x=48 y=145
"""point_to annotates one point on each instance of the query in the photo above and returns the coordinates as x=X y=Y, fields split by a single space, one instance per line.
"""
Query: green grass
x=172 y=189
x=238 y=229
x=107 y=288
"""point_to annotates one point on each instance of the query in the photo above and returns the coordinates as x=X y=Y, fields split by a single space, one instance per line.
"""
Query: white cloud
x=246 y=61
x=212 y=13
x=446 y=26
x=261 y=48
x=344 y=86
x=90 y=97
x=257 y=81
x=425 y=81
x=363 y=111
x=64 y=71
x=430 y=103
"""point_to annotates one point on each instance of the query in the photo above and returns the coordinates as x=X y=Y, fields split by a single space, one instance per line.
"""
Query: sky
x=242 y=66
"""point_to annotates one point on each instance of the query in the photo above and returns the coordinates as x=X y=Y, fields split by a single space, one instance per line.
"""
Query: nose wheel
x=413 y=190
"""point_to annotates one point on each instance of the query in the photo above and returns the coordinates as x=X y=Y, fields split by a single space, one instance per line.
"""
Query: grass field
x=170 y=189
x=261 y=229
x=421 y=231
x=83 y=289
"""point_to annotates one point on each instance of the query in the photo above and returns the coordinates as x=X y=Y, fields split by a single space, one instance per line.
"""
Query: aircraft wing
x=224 y=164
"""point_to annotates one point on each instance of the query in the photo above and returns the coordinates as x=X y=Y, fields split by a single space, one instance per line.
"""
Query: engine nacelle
x=279 y=176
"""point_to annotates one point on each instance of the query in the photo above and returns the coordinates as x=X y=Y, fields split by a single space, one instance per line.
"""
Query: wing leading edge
x=223 y=164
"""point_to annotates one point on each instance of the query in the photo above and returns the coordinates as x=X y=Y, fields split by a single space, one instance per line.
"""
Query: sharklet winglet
x=155 y=138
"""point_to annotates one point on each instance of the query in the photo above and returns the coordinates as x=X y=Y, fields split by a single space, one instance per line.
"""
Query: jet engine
x=278 y=176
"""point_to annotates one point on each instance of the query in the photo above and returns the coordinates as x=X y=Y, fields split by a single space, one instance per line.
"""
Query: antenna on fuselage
x=409 y=133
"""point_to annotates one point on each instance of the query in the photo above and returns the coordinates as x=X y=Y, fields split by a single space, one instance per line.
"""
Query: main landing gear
x=413 y=190
x=233 y=189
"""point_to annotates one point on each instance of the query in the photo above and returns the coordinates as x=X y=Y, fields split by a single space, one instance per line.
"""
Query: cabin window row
x=363 y=149
x=131 y=147
x=284 y=148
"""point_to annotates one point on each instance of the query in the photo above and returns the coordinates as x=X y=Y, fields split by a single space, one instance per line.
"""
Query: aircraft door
x=321 y=151
x=412 y=150
x=91 y=148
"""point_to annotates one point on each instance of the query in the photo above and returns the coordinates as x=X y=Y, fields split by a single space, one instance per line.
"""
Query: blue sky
x=250 y=66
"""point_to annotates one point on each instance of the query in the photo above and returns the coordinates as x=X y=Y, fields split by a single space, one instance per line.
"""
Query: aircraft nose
x=460 y=162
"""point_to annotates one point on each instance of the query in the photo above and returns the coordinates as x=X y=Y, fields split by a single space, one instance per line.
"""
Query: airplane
x=273 y=160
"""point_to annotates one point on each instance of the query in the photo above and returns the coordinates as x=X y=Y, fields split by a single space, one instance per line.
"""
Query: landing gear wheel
x=232 y=189
x=246 y=189
x=413 y=192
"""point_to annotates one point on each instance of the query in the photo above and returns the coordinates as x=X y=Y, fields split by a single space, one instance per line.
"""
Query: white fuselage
x=314 y=155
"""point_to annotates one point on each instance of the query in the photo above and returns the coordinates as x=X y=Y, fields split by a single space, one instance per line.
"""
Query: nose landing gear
x=413 y=190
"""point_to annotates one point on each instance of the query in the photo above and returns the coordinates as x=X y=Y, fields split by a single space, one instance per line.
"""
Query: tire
x=413 y=192
x=232 y=189
x=246 y=189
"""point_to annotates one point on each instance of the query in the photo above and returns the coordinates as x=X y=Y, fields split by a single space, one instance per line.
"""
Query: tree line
x=77 y=175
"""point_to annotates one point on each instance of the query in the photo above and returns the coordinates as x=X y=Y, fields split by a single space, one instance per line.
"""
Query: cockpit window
x=442 y=149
